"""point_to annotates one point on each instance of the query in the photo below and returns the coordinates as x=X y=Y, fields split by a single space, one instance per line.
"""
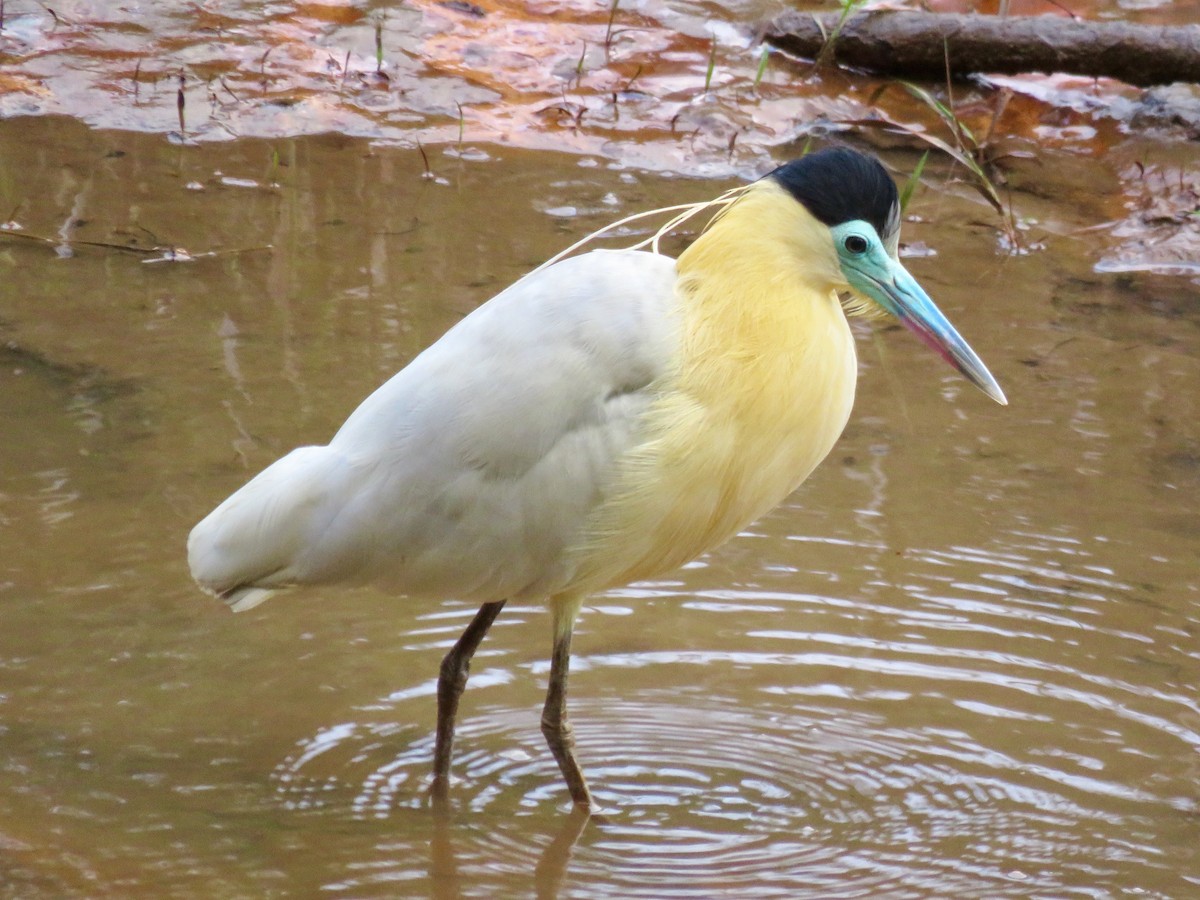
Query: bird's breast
x=750 y=410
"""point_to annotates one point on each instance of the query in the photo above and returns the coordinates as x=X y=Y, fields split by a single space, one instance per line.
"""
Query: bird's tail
x=256 y=542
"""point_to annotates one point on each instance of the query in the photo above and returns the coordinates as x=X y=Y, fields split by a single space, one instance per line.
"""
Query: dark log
x=915 y=45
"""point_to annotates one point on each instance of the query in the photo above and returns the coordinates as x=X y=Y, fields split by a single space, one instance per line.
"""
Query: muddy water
x=963 y=660
x=668 y=87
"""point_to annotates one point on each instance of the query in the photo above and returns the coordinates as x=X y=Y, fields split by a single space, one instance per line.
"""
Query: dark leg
x=451 y=681
x=555 y=726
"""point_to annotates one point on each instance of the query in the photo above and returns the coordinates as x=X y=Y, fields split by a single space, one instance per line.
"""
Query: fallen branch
x=916 y=45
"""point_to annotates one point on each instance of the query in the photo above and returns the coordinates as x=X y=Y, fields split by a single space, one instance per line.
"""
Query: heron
x=606 y=419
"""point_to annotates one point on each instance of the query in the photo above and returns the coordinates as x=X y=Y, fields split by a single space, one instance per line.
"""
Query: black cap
x=840 y=185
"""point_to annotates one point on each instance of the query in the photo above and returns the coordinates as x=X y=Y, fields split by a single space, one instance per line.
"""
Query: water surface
x=961 y=661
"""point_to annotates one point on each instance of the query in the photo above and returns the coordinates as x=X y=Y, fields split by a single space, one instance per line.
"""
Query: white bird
x=606 y=419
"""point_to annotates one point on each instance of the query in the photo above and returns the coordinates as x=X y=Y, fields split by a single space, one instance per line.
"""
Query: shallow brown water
x=666 y=87
x=963 y=660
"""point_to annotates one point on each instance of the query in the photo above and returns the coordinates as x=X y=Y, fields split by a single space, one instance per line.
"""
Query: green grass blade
x=762 y=65
x=911 y=185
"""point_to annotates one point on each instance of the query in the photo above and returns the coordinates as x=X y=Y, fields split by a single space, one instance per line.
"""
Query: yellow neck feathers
x=761 y=388
x=758 y=291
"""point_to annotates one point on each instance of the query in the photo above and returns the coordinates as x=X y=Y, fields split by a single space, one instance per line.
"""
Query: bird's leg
x=452 y=680
x=555 y=726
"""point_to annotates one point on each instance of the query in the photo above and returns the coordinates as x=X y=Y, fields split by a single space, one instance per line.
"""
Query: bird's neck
x=764 y=264
x=759 y=389
x=766 y=351
x=758 y=301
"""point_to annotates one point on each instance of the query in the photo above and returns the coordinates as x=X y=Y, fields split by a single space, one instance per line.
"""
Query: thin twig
x=181 y=254
x=179 y=105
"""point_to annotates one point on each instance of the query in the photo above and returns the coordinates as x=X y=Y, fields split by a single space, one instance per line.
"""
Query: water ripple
x=994 y=726
x=701 y=799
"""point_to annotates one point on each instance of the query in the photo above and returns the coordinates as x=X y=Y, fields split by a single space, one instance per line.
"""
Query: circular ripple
x=699 y=799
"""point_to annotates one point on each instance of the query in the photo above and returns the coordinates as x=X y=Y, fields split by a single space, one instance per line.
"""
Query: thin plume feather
x=853 y=304
x=683 y=213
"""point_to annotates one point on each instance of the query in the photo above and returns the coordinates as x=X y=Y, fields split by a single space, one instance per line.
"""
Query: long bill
x=900 y=295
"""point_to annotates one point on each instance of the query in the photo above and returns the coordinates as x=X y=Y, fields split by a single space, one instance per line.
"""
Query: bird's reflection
x=548 y=874
x=552 y=866
x=443 y=863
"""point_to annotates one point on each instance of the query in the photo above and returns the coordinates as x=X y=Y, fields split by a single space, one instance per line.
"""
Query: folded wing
x=471 y=470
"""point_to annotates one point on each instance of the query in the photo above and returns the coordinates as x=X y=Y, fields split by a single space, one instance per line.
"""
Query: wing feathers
x=470 y=471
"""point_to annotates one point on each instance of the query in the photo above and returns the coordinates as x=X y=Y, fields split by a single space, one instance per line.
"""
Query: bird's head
x=852 y=195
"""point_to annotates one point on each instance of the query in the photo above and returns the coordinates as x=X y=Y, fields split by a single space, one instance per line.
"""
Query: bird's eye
x=855 y=243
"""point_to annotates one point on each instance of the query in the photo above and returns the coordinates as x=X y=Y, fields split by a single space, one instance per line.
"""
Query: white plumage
x=469 y=472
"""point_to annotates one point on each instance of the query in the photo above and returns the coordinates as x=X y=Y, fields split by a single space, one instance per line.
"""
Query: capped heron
x=604 y=420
